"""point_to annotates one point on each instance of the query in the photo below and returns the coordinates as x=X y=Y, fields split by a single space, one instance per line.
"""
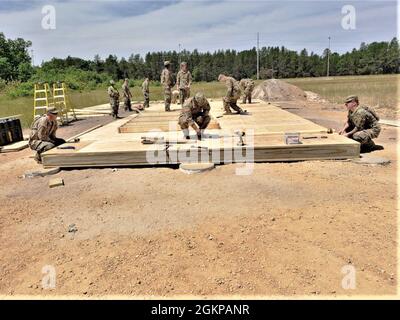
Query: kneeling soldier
x=232 y=94
x=195 y=114
x=43 y=134
x=362 y=124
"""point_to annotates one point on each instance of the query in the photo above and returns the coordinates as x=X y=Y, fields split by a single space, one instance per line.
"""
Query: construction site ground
x=289 y=229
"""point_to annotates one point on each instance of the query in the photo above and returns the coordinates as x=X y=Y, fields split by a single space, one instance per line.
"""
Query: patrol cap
x=221 y=76
x=183 y=63
x=199 y=97
x=167 y=63
x=351 y=98
x=52 y=110
x=126 y=79
x=112 y=82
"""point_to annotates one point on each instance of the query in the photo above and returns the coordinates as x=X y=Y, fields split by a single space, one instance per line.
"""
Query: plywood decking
x=119 y=143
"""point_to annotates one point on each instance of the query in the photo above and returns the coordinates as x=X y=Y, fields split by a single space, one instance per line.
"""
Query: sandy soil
x=287 y=229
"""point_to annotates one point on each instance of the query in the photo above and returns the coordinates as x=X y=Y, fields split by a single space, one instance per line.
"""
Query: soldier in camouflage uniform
x=166 y=82
x=127 y=95
x=362 y=124
x=247 y=86
x=146 y=93
x=43 y=134
x=232 y=94
x=183 y=82
x=114 y=99
x=195 y=113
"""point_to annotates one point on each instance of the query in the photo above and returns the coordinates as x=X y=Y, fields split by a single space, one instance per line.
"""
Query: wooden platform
x=119 y=143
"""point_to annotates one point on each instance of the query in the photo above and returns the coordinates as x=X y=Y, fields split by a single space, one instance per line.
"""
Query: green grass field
x=380 y=91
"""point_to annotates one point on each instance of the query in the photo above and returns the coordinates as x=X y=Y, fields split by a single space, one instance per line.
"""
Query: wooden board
x=107 y=146
x=13 y=147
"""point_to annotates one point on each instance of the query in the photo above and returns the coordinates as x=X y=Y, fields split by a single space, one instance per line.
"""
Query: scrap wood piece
x=14 y=147
x=56 y=182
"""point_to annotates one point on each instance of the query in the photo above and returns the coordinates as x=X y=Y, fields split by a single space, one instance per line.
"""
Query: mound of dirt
x=277 y=90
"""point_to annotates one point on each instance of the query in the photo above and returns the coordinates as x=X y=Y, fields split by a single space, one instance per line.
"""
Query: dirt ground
x=286 y=230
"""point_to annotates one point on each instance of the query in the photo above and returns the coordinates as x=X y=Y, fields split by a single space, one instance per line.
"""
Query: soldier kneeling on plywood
x=195 y=114
x=43 y=134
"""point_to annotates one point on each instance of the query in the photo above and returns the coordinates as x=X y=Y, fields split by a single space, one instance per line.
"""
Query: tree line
x=275 y=62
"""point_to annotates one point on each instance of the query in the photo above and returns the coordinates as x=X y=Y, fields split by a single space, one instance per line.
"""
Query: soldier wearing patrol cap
x=361 y=125
x=166 y=82
x=114 y=99
x=43 y=133
x=183 y=83
x=195 y=113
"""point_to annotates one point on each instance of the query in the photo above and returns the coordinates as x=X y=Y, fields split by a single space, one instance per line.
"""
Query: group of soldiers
x=114 y=96
x=361 y=125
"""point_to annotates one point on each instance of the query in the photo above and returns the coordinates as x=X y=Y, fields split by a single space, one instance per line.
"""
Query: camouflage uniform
x=247 y=85
x=194 y=112
x=127 y=97
x=146 y=93
x=166 y=81
x=232 y=95
x=366 y=122
x=114 y=100
x=183 y=80
x=43 y=136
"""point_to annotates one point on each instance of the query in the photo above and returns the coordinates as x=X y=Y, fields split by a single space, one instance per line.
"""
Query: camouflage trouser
x=183 y=95
x=167 y=98
x=231 y=102
x=365 y=137
x=114 y=107
x=41 y=146
x=146 y=96
x=201 y=120
x=247 y=95
x=127 y=104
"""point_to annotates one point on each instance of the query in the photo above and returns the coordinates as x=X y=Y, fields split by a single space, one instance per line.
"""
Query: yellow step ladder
x=41 y=99
x=60 y=102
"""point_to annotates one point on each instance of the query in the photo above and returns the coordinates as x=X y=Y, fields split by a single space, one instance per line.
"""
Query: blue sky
x=88 y=27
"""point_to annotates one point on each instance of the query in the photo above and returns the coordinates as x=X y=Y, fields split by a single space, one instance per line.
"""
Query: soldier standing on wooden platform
x=127 y=95
x=232 y=94
x=195 y=113
x=43 y=134
x=114 y=99
x=183 y=82
x=166 y=82
x=247 y=86
x=146 y=93
x=361 y=125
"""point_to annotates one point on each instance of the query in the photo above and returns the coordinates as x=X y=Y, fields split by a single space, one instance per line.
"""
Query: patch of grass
x=380 y=91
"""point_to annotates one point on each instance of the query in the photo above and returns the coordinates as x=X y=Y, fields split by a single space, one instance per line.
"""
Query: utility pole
x=33 y=63
x=329 y=53
x=258 y=56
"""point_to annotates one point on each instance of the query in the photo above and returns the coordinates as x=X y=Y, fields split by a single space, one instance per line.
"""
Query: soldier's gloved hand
x=199 y=119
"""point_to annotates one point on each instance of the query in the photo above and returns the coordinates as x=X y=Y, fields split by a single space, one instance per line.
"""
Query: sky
x=84 y=28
